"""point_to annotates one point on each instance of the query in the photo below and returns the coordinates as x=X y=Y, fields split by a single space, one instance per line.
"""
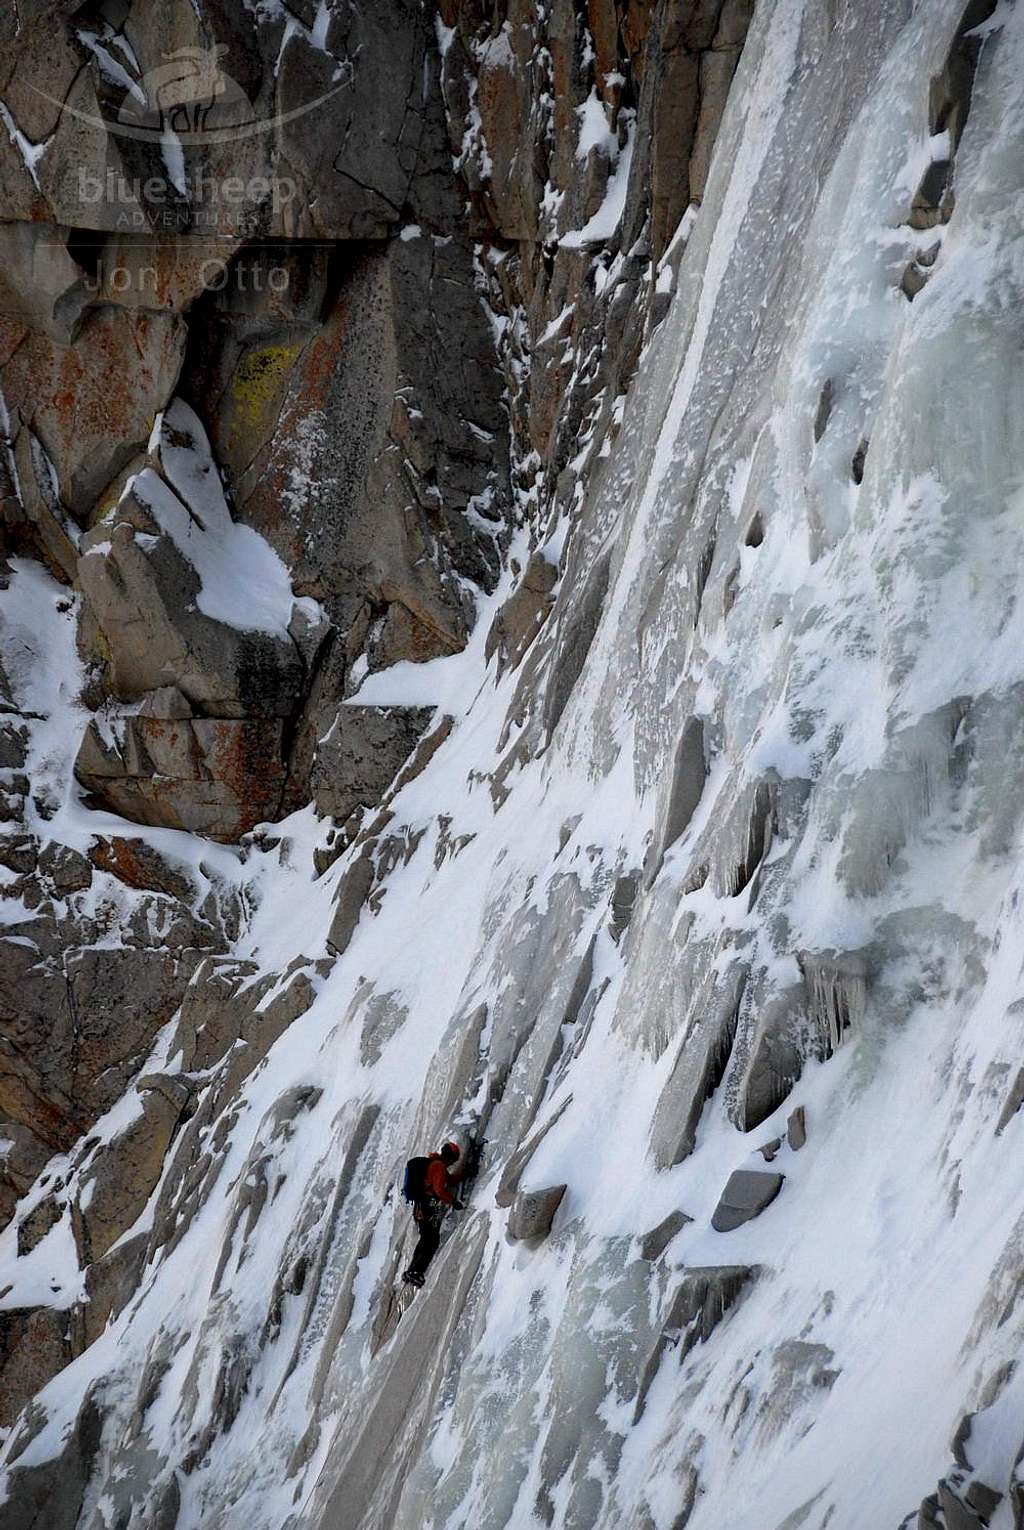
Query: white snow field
x=742 y=835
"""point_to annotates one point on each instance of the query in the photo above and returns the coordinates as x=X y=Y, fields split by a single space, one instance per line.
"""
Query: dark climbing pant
x=429 y=1224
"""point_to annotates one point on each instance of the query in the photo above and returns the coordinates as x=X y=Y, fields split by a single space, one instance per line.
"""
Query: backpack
x=412 y=1185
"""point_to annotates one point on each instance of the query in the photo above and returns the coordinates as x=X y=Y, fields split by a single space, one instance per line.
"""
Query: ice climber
x=430 y=1187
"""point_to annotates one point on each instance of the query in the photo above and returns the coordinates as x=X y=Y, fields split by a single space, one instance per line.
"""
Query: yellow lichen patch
x=254 y=395
x=96 y=644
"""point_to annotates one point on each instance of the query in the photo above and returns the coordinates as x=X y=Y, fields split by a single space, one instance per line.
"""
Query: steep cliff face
x=549 y=675
x=269 y=317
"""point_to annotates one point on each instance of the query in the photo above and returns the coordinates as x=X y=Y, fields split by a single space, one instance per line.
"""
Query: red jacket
x=435 y=1180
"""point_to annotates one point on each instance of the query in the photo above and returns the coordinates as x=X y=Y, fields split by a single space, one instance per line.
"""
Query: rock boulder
x=745 y=1196
x=654 y=1243
x=216 y=776
x=533 y=1212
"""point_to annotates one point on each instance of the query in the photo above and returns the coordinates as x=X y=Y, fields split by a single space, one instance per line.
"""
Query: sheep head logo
x=189 y=93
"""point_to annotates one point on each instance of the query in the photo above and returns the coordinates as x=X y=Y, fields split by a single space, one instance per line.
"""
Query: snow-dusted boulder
x=533 y=1212
x=747 y=1193
x=654 y=1243
x=188 y=605
x=184 y=596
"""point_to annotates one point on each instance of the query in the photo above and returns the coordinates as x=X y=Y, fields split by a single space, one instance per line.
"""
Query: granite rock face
x=119 y=1180
x=654 y=1243
x=316 y=356
x=302 y=313
x=351 y=386
x=76 y=1025
x=485 y=496
x=519 y=620
x=361 y=754
x=213 y=776
x=34 y=1346
x=368 y=353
